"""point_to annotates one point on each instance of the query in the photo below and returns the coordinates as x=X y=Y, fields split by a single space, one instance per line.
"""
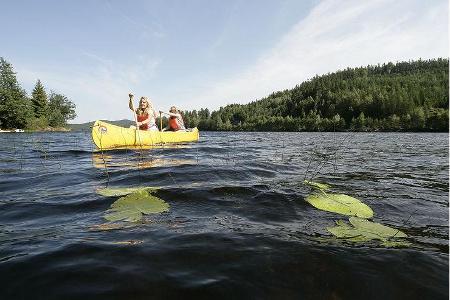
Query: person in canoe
x=145 y=114
x=176 y=122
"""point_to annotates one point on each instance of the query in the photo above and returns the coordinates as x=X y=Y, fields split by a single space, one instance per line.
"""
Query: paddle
x=131 y=106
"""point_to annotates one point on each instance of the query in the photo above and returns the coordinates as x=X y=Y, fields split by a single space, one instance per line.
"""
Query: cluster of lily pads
x=134 y=203
x=359 y=228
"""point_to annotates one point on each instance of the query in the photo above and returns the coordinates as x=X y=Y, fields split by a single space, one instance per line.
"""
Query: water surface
x=238 y=226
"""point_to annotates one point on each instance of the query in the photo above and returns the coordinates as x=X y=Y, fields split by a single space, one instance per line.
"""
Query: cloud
x=335 y=35
x=99 y=90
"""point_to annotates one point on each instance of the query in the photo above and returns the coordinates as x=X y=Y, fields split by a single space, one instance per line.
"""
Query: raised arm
x=173 y=115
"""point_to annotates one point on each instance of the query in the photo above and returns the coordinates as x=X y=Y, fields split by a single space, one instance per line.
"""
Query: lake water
x=238 y=225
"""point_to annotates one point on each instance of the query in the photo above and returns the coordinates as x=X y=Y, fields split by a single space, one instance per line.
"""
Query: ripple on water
x=238 y=224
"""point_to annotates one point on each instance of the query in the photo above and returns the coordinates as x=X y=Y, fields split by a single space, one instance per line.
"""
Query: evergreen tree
x=404 y=96
x=418 y=119
x=360 y=122
x=15 y=110
x=39 y=100
x=60 y=110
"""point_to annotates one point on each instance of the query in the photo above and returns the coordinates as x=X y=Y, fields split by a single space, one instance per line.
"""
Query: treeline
x=405 y=96
x=39 y=111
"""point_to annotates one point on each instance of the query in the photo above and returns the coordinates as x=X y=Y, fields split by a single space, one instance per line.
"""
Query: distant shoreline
x=85 y=127
x=47 y=129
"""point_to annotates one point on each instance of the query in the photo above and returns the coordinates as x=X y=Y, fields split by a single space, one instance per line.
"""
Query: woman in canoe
x=146 y=115
x=175 y=120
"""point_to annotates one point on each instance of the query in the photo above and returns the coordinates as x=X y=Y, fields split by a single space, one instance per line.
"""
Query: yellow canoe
x=108 y=136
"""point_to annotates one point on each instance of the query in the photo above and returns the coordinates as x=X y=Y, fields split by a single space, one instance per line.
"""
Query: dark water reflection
x=238 y=226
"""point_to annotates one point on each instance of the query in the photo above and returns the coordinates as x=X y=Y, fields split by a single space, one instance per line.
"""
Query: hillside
x=403 y=96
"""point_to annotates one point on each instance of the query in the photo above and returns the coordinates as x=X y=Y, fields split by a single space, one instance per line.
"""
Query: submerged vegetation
x=360 y=229
x=134 y=205
x=134 y=202
x=405 y=96
x=40 y=111
x=318 y=185
x=117 y=192
x=340 y=203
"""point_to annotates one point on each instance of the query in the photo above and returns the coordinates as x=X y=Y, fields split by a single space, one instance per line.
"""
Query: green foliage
x=362 y=230
x=406 y=96
x=15 y=108
x=39 y=100
x=17 y=111
x=381 y=231
x=116 y=192
x=37 y=123
x=60 y=110
x=317 y=185
x=340 y=203
x=360 y=122
x=131 y=207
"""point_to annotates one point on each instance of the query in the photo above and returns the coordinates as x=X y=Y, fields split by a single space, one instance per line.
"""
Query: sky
x=206 y=53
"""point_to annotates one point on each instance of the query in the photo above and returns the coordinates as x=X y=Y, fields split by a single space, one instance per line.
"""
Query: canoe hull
x=108 y=136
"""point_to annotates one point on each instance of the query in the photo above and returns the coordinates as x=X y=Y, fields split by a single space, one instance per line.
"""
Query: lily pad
x=341 y=204
x=346 y=231
x=395 y=244
x=383 y=231
x=131 y=207
x=117 y=192
x=128 y=215
x=317 y=185
x=362 y=230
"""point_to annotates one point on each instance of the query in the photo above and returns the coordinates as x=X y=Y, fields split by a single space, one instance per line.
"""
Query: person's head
x=144 y=105
x=173 y=110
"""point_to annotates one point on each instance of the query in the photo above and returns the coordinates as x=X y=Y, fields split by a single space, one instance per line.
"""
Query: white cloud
x=336 y=35
x=99 y=91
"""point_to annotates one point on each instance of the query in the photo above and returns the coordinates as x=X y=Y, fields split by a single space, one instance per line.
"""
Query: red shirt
x=141 y=118
x=173 y=123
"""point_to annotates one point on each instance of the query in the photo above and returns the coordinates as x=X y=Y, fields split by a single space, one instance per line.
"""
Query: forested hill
x=405 y=96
